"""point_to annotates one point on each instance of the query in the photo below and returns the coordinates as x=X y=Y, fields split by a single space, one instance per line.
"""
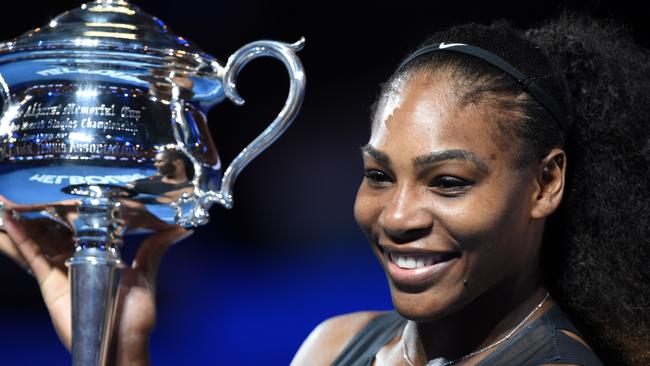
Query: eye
x=450 y=186
x=377 y=177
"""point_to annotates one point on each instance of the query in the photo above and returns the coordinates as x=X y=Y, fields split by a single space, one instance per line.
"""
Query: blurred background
x=250 y=286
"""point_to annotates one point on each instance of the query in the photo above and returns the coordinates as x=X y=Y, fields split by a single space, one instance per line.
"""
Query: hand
x=42 y=246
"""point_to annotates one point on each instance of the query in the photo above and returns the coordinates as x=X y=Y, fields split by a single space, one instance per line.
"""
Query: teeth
x=412 y=262
x=422 y=262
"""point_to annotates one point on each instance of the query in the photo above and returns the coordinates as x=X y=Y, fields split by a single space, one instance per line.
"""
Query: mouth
x=413 y=261
x=416 y=269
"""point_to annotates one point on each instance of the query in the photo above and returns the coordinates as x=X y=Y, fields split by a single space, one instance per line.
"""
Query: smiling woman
x=450 y=194
x=473 y=202
x=505 y=196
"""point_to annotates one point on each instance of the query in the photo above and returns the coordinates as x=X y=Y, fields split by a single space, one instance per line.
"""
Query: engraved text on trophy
x=107 y=126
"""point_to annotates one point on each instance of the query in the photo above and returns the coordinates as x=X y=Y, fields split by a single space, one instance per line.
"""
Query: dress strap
x=542 y=342
x=363 y=347
x=560 y=319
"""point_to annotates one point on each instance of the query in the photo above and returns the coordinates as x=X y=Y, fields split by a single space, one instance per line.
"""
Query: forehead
x=422 y=115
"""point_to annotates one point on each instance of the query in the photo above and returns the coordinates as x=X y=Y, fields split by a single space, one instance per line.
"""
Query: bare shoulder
x=330 y=337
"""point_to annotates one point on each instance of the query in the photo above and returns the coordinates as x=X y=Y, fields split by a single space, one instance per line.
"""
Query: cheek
x=486 y=221
x=366 y=210
x=492 y=232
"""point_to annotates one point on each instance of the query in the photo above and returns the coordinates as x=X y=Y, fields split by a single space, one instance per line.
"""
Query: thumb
x=151 y=251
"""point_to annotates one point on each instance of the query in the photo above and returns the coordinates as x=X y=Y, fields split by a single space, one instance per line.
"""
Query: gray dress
x=539 y=343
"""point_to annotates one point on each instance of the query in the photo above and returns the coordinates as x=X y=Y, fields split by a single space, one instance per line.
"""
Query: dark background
x=248 y=288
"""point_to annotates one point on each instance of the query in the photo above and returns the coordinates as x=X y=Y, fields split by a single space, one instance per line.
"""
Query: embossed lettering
x=90 y=179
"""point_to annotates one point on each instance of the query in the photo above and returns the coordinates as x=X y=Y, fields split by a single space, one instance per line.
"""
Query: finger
x=138 y=217
x=21 y=208
x=54 y=238
x=53 y=282
x=39 y=264
x=148 y=257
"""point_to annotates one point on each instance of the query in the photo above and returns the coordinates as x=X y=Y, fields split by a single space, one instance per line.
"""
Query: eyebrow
x=454 y=154
x=378 y=155
x=432 y=158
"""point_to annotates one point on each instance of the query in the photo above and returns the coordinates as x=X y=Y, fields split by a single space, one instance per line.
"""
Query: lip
x=417 y=278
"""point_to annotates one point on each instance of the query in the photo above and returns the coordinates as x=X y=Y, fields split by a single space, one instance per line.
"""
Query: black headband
x=528 y=84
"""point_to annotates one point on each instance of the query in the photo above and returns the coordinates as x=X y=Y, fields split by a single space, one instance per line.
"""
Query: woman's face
x=164 y=164
x=444 y=206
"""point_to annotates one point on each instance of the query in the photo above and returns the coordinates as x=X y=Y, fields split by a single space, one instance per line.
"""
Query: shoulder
x=330 y=337
x=554 y=341
x=146 y=180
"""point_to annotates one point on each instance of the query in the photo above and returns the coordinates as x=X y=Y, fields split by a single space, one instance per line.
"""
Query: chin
x=423 y=306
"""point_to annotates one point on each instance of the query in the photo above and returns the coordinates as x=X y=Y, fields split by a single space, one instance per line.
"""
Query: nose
x=405 y=217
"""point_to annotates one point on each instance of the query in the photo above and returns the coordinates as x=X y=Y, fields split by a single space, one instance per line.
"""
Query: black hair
x=175 y=154
x=595 y=251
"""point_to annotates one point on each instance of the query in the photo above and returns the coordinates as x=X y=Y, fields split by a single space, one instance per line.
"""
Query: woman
x=489 y=184
x=469 y=158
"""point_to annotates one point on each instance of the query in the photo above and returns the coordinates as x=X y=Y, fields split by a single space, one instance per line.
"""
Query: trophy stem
x=95 y=270
x=95 y=275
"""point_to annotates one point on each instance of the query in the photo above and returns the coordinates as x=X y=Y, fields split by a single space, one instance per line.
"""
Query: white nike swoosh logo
x=443 y=45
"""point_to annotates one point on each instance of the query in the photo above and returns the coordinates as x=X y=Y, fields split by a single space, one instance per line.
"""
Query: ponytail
x=597 y=244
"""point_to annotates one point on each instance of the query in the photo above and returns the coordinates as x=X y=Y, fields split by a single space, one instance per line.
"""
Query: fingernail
x=8 y=217
x=3 y=213
x=6 y=211
x=182 y=237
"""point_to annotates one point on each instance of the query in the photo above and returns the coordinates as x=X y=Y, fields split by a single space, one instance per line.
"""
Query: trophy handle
x=192 y=209
x=6 y=100
x=286 y=53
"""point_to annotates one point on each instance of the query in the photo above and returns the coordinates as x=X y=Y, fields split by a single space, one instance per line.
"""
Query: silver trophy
x=96 y=107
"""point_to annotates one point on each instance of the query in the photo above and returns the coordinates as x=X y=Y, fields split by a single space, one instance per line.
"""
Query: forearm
x=131 y=352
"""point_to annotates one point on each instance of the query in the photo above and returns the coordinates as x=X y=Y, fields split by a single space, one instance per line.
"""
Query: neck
x=486 y=320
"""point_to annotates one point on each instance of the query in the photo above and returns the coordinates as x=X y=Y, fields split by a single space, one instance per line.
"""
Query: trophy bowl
x=104 y=130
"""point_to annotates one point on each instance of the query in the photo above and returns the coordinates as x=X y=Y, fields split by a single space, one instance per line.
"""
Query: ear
x=549 y=183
